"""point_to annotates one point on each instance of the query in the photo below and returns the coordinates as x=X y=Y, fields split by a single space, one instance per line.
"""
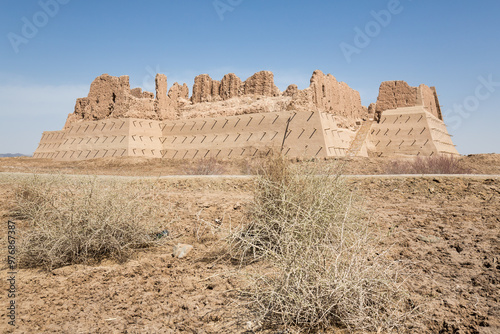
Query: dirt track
x=445 y=229
x=488 y=164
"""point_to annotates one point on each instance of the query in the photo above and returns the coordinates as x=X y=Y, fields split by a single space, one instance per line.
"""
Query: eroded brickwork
x=232 y=117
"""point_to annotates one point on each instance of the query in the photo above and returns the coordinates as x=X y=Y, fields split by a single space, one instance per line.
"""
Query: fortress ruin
x=235 y=118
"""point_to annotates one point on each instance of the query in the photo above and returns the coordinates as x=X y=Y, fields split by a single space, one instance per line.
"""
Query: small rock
x=164 y=233
x=181 y=250
x=428 y=239
x=489 y=181
x=249 y=325
x=458 y=248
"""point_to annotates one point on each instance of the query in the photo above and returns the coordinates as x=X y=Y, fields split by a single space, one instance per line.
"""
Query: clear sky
x=51 y=50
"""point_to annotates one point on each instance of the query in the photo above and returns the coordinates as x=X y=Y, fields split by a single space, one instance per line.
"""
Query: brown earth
x=475 y=163
x=445 y=230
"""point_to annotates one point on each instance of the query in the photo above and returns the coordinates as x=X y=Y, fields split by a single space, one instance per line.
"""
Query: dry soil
x=445 y=230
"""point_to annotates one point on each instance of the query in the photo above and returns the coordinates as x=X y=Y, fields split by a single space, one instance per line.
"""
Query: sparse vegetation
x=206 y=166
x=85 y=220
x=436 y=164
x=326 y=268
x=422 y=219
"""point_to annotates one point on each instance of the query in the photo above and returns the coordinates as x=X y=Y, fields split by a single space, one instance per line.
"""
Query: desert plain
x=444 y=230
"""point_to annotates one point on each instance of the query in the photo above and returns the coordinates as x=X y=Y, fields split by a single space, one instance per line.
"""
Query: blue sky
x=453 y=45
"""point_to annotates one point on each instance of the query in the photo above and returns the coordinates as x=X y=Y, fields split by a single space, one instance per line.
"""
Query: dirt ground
x=475 y=163
x=445 y=230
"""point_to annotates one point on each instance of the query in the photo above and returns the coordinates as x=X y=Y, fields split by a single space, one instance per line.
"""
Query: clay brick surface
x=229 y=118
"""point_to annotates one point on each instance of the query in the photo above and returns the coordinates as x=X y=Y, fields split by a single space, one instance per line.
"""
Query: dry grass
x=436 y=164
x=327 y=269
x=206 y=166
x=84 y=220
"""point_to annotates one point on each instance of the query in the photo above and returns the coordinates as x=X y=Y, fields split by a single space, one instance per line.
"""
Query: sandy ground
x=446 y=230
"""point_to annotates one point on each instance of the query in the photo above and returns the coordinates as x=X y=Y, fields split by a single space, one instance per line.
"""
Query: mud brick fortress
x=235 y=118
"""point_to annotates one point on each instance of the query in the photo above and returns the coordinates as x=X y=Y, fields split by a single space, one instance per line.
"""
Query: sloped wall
x=441 y=137
x=223 y=137
x=409 y=131
x=296 y=134
x=145 y=138
x=94 y=139
x=49 y=144
x=337 y=140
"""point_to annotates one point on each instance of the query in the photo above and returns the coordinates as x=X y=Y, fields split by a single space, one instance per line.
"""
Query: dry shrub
x=250 y=166
x=84 y=220
x=436 y=164
x=206 y=166
x=326 y=268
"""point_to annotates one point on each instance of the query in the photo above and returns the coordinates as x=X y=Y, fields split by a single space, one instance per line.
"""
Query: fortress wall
x=297 y=134
x=325 y=93
x=145 y=138
x=301 y=134
x=230 y=86
x=441 y=137
x=95 y=139
x=408 y=132
x=305 y=136
x=49 y=144
x=114 y=120
x=402 y=131
x=438 y=106
x=337 y=140
x=428 y=99
x=398 y=94
x=224 y=137
x=261 y=83
x=111 y=97
x=205 y=89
